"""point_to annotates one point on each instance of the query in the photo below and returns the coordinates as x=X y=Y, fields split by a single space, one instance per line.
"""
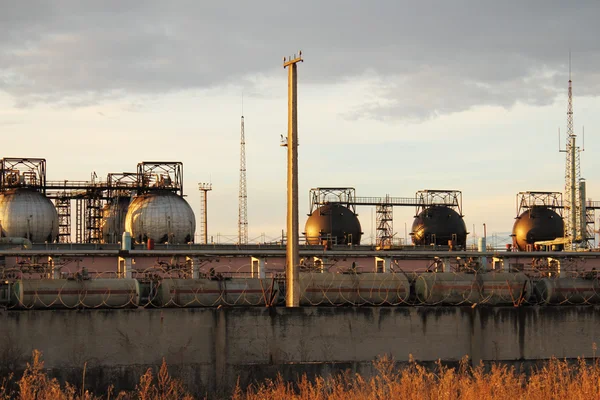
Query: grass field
x=556 y=379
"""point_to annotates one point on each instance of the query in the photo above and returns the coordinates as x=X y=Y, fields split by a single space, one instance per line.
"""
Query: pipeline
x=26 y=243
x=316 y=289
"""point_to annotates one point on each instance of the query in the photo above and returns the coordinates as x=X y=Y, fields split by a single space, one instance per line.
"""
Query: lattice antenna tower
x=243 y=196
x=572 y=205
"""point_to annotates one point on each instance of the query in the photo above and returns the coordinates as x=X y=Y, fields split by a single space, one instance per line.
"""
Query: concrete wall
x=210 y=348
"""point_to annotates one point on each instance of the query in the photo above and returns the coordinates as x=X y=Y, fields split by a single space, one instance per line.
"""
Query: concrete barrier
x=210 y=348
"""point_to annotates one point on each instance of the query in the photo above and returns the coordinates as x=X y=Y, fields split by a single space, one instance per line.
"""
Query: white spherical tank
x=28 y=214
x=113 y=219
x=161 y=216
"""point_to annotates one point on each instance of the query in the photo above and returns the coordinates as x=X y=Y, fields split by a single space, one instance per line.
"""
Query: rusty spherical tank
x=28 y=214
x=537 y=224
x=438 y=225
x=333 y=223
x=113 y=219
x=162 y=216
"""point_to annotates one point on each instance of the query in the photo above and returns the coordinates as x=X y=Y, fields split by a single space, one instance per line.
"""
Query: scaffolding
x=345 y=196
x=551 y=200
x=23 y=173
x=447 y=198
x=63 y=209
x=157 y=175
x=79 y=221
x=93 y=217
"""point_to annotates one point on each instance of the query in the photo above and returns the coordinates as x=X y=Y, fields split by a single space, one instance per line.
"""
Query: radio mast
x=243 y=196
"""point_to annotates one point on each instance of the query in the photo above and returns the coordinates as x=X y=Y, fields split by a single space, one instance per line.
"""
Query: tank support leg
x=319 y=263
x=258 y=267
x=194 y=266
x=483 y=263
x=446 y=267
x=555 y=263
x=506 y=263
x=481 y=247
x=125 y=268
x=383 y=265
x=54 y=270
x=497 y=264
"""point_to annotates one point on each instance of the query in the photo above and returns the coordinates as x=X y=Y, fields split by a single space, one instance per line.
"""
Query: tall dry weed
x=556 y=379
x=163 y=387
x=36 y=385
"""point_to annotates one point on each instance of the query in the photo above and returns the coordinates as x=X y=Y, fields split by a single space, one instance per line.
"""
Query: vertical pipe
x=205 y=217
x=582 y=213
x=292 y=294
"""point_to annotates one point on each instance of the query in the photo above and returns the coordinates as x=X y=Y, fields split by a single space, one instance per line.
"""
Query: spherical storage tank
x=161 y=216
x=439 y=225
x=28 y=214
x=333 y=222
x=537 y=224
x=113 y=219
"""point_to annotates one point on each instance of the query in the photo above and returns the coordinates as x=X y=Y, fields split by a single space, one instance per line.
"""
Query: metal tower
x=243 y=200
x=572 y=202
x=204 y=188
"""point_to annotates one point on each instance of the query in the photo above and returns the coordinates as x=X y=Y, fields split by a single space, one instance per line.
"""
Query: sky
x=393 y=97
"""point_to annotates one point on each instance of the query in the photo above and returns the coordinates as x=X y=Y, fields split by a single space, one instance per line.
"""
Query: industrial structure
x=547 y=219
x=148 y=203
x=438 y=217
x=539 y=221
x=40 y=280
x=232 y=296
x=147 y=207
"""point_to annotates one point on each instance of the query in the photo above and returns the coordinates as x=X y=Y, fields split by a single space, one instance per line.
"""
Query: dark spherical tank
x=537 y=224
x=439 y=225
x=333 y=222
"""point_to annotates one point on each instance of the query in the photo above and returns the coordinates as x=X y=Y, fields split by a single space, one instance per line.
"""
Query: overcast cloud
x=422 y=58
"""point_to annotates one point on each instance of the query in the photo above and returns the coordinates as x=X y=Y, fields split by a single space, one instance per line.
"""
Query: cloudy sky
x=394 y=97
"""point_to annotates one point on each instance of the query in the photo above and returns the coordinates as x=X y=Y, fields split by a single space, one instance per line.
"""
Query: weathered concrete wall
x=210 y=348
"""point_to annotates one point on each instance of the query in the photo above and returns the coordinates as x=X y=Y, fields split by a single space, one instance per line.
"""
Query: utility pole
x=204 y=188
x=292 y=282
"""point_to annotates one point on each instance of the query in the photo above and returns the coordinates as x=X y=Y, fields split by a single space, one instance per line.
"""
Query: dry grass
x=36 y=385
x=555 y=380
